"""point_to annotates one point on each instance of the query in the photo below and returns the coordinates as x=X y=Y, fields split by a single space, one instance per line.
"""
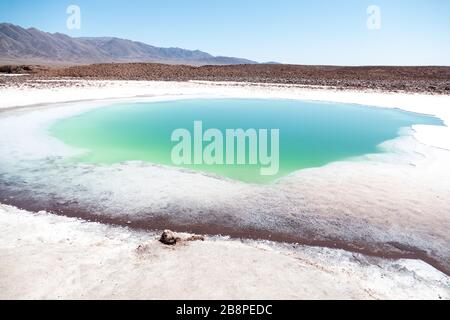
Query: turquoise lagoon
x=312 y=134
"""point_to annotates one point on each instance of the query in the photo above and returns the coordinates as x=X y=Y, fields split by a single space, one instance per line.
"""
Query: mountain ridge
x=20 y=44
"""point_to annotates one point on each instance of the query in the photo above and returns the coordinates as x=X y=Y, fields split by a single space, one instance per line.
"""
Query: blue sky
x=413 y=32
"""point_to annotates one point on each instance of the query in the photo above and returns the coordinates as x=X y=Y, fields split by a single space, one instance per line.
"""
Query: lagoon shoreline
x=389 y=251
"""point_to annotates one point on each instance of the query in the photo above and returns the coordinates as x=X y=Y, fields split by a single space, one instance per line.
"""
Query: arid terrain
x=396 y=79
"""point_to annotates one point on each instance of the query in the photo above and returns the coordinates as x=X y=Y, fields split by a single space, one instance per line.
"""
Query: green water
x=311 y=134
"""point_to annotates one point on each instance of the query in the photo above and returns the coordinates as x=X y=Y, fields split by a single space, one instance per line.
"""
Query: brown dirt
x=396 y=79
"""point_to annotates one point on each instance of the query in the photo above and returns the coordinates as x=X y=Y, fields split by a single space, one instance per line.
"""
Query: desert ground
x=393 y=79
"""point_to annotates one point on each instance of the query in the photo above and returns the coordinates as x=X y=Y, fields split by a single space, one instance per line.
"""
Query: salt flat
x=396 y=198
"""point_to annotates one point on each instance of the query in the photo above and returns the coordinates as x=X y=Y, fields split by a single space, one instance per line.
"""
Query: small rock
x=169 y=238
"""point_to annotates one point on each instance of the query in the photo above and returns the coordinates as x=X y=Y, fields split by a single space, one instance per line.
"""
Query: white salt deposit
x=49 y=257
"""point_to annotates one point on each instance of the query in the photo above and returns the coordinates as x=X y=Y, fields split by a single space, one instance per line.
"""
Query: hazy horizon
x=324 y=32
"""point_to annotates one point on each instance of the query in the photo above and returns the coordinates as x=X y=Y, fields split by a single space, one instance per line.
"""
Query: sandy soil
x=104 y=262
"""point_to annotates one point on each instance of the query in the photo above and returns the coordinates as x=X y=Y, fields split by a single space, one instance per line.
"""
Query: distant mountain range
x=34 y=46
